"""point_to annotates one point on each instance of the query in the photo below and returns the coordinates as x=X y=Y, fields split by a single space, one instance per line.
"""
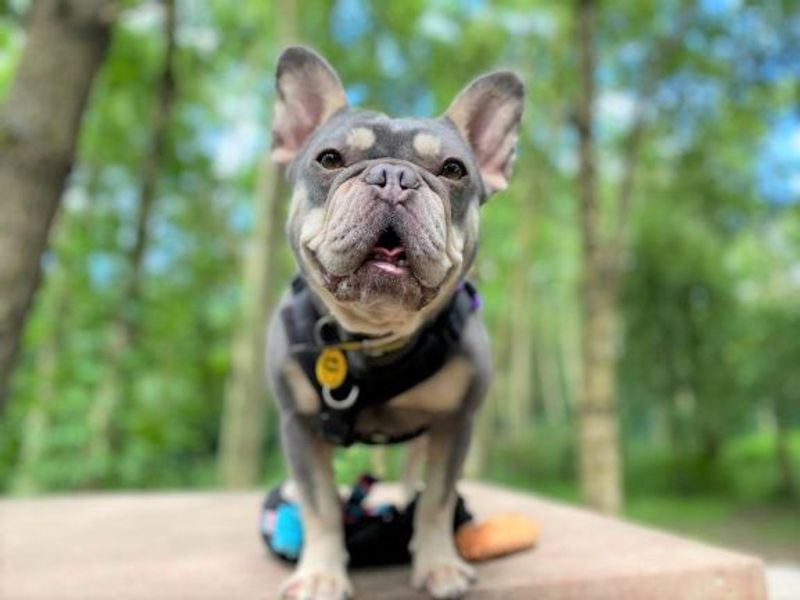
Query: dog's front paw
x=442 y=576
x=317 y=584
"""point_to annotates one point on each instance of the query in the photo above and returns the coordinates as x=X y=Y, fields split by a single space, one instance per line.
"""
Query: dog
x=378 y=340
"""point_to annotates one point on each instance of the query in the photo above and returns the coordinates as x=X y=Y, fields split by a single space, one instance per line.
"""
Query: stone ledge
x=205 y=545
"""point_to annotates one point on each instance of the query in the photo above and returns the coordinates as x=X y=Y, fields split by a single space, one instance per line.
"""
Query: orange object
x=497 y=536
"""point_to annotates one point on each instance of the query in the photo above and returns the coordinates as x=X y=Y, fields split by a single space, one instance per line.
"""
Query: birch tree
x=604 y=252
x=244 y=411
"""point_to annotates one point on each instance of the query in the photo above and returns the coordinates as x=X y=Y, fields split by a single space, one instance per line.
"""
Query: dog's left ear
x=487 y=114
x=308 y=93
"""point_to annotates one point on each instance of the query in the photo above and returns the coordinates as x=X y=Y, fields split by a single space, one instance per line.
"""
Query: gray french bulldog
x=383 y=223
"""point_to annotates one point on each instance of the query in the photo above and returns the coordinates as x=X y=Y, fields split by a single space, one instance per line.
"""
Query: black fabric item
x=374 y=540
x=381 y=380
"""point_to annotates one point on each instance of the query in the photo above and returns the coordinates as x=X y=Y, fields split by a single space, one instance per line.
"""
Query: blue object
x=287 y=535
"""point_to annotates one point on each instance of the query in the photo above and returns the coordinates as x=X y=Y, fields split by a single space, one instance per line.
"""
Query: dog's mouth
x=388 y=254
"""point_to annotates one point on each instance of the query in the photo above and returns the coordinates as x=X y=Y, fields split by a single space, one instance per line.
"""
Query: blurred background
x=641 y=275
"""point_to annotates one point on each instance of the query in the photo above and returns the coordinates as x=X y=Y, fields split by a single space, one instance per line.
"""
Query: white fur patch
x=312 y=231
x=297 y=203
x=427 y=145
x=361 y=138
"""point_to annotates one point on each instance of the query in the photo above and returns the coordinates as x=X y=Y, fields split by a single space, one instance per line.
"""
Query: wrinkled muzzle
x=384 y=232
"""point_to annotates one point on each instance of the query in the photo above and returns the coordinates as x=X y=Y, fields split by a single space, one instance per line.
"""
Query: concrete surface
x=205 y=545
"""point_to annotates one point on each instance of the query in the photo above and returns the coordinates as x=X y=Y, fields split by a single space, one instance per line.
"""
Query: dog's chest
x=440 y=394
x=417 y=407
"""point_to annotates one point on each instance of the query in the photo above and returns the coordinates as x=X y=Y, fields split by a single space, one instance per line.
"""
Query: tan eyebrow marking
x=361 y=138
x=427 y=145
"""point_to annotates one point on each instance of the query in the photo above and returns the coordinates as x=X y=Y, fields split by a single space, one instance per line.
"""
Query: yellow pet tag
x=331 y=368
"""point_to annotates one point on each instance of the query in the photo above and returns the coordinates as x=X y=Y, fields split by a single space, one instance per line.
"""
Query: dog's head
x=384 y=215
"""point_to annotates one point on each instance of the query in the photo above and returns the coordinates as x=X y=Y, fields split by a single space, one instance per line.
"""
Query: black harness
x=373 y=380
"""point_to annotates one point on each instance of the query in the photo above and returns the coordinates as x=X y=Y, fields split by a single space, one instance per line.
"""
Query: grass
x=770 y=530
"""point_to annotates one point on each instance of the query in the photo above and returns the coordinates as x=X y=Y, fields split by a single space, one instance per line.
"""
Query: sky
x=778 y=167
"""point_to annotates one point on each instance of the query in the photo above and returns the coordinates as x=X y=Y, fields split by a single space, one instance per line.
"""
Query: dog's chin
x=380 y=287
x=381 y=284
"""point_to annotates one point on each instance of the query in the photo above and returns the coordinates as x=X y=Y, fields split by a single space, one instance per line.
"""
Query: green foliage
x=546 y=457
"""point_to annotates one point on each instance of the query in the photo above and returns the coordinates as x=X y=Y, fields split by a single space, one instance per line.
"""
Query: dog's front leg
x=437 y=566
x=321 y=572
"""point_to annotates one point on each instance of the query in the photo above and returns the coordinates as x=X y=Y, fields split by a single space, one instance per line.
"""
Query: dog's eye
x=453 y=169
x=330 y=159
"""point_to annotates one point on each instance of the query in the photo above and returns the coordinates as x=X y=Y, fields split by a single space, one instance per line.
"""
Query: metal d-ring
x=319 y=327
x=342 y=404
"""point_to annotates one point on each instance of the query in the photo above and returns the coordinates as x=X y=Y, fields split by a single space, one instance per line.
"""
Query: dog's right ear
x=308 y=93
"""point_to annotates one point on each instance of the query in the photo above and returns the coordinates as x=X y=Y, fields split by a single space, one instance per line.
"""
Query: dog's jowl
x=379 y=340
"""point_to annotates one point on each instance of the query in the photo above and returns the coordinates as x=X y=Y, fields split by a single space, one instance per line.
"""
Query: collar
x=326 y=334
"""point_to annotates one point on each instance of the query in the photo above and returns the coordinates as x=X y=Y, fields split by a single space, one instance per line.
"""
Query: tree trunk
x=598 y=430
x=521 y=339
x=122 y=330
x=787 y=482
x=244 y=411
x=242 y=428
x=39 y=122
x=570 y=358
x=546 y=357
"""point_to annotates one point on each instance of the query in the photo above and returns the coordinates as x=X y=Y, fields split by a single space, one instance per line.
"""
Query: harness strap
x=378 y=383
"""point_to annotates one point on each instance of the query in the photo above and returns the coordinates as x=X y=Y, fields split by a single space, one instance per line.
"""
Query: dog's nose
x=392 y=180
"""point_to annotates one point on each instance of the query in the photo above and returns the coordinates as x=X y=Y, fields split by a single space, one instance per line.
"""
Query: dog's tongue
x=388 y=253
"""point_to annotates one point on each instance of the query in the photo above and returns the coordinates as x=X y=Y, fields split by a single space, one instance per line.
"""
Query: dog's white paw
x=317 y=584
x=443 y=577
